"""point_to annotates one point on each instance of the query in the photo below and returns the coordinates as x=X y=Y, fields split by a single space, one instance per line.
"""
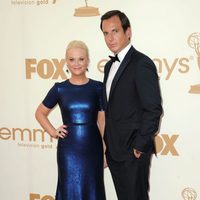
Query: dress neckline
x=77 y=84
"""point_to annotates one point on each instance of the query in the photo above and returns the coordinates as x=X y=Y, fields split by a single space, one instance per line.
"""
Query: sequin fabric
x=80 y=154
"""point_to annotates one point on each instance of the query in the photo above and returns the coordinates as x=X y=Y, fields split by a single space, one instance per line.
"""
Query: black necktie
x=114 y=58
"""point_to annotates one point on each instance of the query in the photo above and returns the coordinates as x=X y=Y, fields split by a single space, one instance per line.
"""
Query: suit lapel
x=106 y=72
x=122 y=67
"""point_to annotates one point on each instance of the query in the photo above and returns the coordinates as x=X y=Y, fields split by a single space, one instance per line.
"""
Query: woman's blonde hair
x=77 y=44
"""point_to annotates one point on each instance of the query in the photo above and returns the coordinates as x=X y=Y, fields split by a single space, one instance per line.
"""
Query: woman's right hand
x=60 y=132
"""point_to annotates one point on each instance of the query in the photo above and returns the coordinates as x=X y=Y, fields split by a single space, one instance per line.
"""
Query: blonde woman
x=80 y=147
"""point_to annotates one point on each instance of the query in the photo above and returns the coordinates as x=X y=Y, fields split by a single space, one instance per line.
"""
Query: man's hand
x=137 y=153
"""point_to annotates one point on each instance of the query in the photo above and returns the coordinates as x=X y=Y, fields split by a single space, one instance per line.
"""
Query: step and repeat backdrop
x=33 y=39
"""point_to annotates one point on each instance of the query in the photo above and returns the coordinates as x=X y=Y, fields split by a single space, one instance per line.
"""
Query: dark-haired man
x=133 y=108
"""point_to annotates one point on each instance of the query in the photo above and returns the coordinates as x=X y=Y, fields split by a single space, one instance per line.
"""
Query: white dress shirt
x=115 y=66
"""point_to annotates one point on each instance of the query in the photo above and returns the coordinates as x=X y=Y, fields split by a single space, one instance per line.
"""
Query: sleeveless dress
x=80 y=154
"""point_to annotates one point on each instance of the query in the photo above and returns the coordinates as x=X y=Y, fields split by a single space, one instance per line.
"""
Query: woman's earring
x=67 y=70
x=87 y=70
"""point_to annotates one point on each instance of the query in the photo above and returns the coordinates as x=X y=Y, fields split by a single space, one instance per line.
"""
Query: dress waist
x=80 y=123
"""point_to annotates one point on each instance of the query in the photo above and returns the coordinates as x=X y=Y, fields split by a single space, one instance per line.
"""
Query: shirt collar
x=123 y=52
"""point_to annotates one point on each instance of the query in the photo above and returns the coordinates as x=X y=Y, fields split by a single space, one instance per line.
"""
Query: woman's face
x=77 y=61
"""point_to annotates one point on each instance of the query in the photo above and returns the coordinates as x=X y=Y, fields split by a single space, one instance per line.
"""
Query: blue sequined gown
x=80 y=154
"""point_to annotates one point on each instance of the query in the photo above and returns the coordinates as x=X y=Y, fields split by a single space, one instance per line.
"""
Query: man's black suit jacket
x=134 y=108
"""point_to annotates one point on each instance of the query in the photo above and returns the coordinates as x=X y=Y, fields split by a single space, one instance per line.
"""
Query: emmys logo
x=167 y=67
x=86 y=11
x=27 y=137
x=189 y=194
x=194 y=42
x=39 y=197
x=164 y=66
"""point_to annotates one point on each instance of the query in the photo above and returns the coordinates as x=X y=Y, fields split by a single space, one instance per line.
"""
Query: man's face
x=115 y=37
